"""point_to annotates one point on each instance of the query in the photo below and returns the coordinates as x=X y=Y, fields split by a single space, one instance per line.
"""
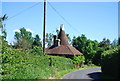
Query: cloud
x=16 y=30
x=29 y=30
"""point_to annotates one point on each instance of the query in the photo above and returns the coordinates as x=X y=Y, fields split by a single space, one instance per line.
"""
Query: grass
x=90 y=66
x=59 y=75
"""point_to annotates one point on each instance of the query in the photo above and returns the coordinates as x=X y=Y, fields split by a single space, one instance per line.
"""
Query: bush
x=23 y=65
x=97 y=57
x=36 y=50
x=78 y=60
x=110 y=62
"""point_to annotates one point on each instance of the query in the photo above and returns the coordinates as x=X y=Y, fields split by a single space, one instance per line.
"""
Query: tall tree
x=80 y=43
x=105 y=44
x=37 y=41
x=2 y=27
x=2 y=19
x=23 y=39
x=49 y=39
x=3 y=35
x=86 y=46
x=69 y=39
x=114 y=43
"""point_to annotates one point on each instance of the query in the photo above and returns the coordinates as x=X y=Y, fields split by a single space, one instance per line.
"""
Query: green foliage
x=102 y=46
x=24 y=39
x=62 y=73
x=2 y=19
x=37 y=41
x=79 y=60
x=88 y=47
x=97 y=57
x=92 y=50
x=69 y=39
x=110 y=62
x=105 y=44
x=36 y=50
x=89 y=66
x=17 y=64
x=2 y=28
x=59 y=62
x=80 y=43
x=49 y=39
x=114 y=43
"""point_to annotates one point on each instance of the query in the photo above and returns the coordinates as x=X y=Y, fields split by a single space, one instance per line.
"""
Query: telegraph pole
x=44 y=26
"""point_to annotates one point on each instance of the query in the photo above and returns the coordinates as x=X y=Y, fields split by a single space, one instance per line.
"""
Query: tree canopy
x=24 y=39
x=2 y=27
x=88 y=47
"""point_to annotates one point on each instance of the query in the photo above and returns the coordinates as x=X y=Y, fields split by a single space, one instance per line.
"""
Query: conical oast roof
x=62 y=36
x=64 y=48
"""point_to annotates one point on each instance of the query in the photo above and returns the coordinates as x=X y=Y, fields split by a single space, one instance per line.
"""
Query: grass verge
x=59 y=75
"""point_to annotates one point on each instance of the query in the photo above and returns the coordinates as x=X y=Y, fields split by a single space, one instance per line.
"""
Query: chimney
x=54 y=41
x=58 y=42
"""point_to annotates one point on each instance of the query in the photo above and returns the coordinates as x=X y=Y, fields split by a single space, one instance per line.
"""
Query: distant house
x=61 y=46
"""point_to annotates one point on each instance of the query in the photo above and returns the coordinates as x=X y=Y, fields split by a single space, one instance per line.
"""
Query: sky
x=97 y=20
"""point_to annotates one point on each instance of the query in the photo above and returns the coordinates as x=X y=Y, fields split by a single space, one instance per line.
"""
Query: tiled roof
x=63 y=49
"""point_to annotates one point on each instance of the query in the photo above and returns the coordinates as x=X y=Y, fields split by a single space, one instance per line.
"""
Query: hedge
x=110 y=62
x=22 y=65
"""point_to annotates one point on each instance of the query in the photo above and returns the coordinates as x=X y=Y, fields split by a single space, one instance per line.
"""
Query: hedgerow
x=17 y=64
x=110 y=62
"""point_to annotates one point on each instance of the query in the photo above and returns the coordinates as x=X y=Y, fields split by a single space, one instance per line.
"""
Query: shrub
x=97 y=57
x=36 y=50
x=59 y=62
x=25 y=65
x=78 y=60
x=110 y=62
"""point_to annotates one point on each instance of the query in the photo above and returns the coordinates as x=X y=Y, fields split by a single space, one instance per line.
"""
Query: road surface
x=91 y=74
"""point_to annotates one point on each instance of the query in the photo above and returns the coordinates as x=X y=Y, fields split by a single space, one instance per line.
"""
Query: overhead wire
x=63 y=17
x=22 y=11
x=51 y=7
